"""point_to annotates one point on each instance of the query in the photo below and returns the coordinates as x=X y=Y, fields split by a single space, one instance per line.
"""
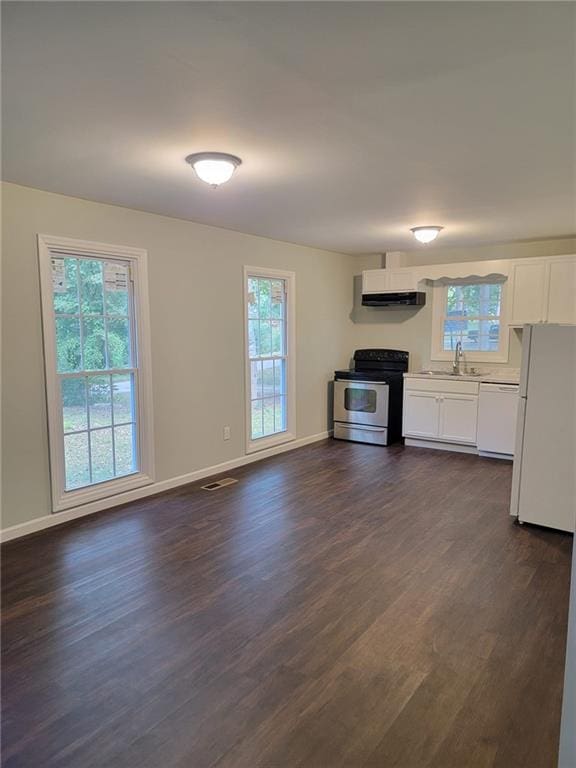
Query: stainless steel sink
x=434 y=373
x=447 y=373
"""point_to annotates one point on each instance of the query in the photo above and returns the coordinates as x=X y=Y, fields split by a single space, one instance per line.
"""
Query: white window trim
x=439 y=297
x=289 y=434
x=62 y=499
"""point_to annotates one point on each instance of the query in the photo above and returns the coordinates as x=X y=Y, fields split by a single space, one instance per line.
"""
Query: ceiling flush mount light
x=426 y=234
x=214 y=168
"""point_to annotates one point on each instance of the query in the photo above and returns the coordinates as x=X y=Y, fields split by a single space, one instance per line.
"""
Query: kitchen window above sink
x=473 y=315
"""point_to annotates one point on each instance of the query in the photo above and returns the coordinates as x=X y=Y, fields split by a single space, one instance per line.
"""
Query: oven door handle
x=359 y=427
x=357 y=381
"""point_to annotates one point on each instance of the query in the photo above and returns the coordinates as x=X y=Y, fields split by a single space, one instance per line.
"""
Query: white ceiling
x=355 y=121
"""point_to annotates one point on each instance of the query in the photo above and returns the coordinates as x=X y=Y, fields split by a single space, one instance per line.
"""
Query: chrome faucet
x=457 y=359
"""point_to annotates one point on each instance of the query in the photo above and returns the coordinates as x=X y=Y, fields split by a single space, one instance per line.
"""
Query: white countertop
x=505 y=376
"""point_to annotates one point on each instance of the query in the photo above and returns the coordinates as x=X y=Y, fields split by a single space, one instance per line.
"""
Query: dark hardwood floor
x=342 y=605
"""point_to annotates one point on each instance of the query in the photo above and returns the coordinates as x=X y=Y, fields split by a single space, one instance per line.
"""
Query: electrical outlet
x=226 y=433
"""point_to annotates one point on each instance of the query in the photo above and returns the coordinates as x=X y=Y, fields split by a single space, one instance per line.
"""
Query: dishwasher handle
x=500 y=388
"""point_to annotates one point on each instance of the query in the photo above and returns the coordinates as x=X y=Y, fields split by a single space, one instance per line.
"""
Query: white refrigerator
x=543 y=477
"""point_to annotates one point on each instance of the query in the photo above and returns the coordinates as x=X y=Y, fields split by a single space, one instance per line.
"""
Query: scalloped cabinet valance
x=407 y=278
x=540 y=289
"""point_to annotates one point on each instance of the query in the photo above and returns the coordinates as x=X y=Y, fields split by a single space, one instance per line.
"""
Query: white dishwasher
x=497 y=416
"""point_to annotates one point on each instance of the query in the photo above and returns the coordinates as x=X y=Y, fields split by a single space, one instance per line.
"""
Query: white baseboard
x=440 y=446
x=492 y=455
x=57 y=518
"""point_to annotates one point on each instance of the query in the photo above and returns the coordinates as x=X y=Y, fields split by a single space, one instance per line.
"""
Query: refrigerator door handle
x=517 y=465
x=525 y=363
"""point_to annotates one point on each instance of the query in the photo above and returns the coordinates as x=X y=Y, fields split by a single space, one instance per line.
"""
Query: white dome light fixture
x=426 y=234
x=214 y=168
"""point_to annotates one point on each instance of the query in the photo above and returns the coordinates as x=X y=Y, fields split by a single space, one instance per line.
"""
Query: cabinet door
x=374 y=281
x=562 y=292
x=528 y=293
x=459 y=418
x=421 y=414
x=401 y=280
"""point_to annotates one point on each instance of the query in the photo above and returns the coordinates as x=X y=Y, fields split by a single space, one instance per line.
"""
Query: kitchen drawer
x=442 y=385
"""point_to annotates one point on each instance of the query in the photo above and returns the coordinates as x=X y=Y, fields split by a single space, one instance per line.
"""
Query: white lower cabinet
x=421 y=414
x=442 y=411
x=458 y=418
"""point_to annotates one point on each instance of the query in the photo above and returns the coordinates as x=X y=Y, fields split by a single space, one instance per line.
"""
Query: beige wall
x=195 y=275
x=195 y=280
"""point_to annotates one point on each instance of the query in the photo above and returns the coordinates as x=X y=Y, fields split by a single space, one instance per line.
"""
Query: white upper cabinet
x=388 y=280
x=540 y=290
x=528 y=293
x=562 y=291
x=544 y=291
x=374 y=281
x=401 y=280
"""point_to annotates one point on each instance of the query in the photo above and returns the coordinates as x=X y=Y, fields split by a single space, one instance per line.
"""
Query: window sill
x=99 y=491
x=262 y=443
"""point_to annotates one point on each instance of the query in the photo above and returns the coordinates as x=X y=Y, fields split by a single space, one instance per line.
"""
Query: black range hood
x=400 y=300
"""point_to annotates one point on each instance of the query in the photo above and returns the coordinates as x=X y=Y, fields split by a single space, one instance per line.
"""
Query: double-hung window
x=269 y=306
x=94 y=304
x=474 y=316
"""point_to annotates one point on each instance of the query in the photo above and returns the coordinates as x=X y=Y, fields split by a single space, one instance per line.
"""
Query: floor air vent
x=219 y=484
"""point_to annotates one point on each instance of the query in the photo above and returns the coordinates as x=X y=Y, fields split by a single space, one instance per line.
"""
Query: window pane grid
x=95 y=429
x=92 y=315
x=96 y=372
x=111 y=405
x=108 y=363
x=95 y=349
x=80 y=323
x=472 y=317
x=111 y=427
x=266 y=318
x=89 y=442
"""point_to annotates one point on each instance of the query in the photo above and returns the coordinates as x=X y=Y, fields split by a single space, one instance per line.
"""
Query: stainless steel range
x=368 y=398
